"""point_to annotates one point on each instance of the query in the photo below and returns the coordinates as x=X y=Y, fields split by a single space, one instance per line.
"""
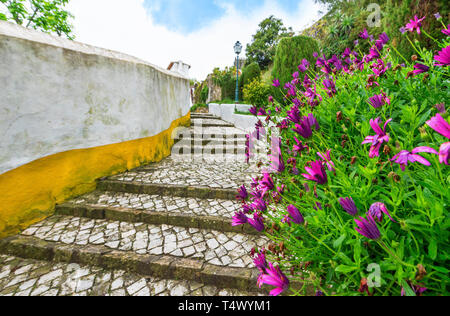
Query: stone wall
x=58 y=95
x=70 y=114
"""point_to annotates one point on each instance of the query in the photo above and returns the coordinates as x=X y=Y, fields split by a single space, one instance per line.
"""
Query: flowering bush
x=256 y=92
x=356 y=200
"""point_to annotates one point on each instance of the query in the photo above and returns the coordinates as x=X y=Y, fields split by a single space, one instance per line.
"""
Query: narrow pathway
x=162 y=229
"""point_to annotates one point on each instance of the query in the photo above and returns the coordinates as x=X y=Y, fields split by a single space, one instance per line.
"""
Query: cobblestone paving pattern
x=157 y=203
x=24 y=277
x=213 y=175
x=214 y=247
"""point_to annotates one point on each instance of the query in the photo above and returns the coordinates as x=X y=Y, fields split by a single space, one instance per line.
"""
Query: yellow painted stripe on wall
x=29 y=193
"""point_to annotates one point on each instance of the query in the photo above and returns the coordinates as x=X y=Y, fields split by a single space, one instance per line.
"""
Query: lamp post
x=237 y=50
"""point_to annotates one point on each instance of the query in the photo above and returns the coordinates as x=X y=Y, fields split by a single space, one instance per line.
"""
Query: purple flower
x=418 y=290
x=260 y=262
x=403 y=30
x=304 y=128
x=257 y=222
x=364 y=34
x=239 y=219
x=266 y=184
x=378 y=100
x=275 y=277
x=443 y=57
x=303 y=67
x=405 y=156
x=368 y=227
x=276 y=158
x=441 y=108
x=271 y=99
x=437 y=15
x=253 y=110
x=327 y=159
x=419 y=69
x=242 y=193
x=440 y=125
x=349 y=206
x=446 y=31
x=299 y=147
x=276 y=83
x=415 y=24
x=259 y=204
x=294 y=114
x=316 y=172
x=295 y=214
x=377 y=210
x=384 y=38
x=330 y=87
x=377 y=140
x=444 y=154
x=247 y=208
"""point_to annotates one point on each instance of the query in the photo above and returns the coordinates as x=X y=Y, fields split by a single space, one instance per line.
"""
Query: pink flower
x=415 y=24
x=404 y=157
x=420 y=68
x=327 y=159
x=316 y=172
x=377 y=210
x=368 y=227
x=377 y=140
x=444 y=154
x=443 y=57
x=275 y=277
x=447 y=30
x=440 y=125
x=378 y=100
x=295 y=214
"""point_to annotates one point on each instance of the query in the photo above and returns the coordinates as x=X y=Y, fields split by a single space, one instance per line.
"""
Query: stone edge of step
x=110 y=213
x=166 y=189
x=166 y=267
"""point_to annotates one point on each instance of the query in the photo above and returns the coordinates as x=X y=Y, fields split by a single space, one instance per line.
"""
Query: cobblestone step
x=173 y=177
x=210 y=122
x=204 y=115
x=208 y=149
x=155 y=209
x=28 y=277
x=162 y=229
x=170 y=252
x=209 y=132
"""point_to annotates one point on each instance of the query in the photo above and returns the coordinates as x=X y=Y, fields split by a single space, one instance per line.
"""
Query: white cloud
x=126 y=26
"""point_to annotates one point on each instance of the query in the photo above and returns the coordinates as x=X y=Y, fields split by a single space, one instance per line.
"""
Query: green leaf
x=432 y=249
x=408 y=289
x=339 y=242
x=345 y=269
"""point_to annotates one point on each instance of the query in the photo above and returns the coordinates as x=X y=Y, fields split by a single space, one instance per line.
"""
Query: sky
x=201 y=33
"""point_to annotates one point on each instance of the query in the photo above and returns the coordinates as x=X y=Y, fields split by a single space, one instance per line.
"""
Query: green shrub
x=195 y=107
x=257 y=92
x=290 y=53
x=204 y=94
x=249 y=73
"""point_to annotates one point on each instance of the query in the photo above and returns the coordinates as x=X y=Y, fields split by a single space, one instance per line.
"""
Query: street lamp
x=237 y=50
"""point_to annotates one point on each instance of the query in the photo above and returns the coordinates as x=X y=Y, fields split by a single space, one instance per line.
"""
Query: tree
x=263 y=47
x=47 y=16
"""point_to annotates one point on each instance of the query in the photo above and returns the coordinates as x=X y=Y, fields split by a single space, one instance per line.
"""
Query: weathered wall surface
x=57 y=95
x=71 y=113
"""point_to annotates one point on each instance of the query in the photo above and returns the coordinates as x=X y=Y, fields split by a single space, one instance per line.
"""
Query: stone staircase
x=162 y=229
